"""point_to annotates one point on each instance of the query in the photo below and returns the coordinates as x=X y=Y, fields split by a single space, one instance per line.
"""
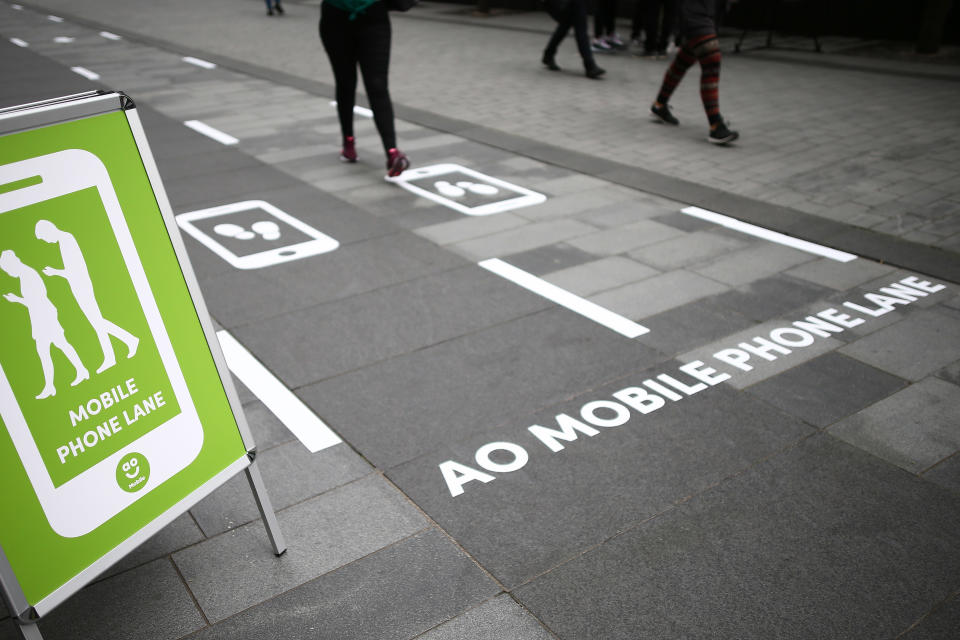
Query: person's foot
x=595 y=72
x=721 y=134
x=615 y=41
x=599 y=45
x=550 y=63
x=349 y=151
x=661 y=113
x=278 y=8
x=397 y=162
x=269 y=12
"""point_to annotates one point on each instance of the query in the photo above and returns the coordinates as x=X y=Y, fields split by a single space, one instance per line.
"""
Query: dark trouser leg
x=579 y=14
x=337 y=37
x=639 y=11
x=564 y=22
x=373 y=53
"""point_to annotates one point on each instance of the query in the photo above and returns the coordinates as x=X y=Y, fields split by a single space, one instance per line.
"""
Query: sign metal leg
x=266 y=509
x=29 y=631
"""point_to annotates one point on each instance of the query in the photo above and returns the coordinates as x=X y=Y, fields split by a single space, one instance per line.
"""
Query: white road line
x=767 y=234
x=19 y=42
x=210 y=132
x=17 y=7
x=64 y=39
x=54 y=18
x=110 y=36
x=86 y=73
x=360 y=111
x=198 y=62
x=564 y=298
x=289 y=409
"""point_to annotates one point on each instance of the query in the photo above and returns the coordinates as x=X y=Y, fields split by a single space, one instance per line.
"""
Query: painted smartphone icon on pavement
x=465 y=190
x=99 y=410
x=254 y=234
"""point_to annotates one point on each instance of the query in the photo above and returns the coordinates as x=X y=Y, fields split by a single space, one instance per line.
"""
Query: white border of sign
x=527 y=198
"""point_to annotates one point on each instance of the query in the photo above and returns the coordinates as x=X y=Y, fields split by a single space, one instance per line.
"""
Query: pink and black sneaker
x=349 y=151
x=396 y=163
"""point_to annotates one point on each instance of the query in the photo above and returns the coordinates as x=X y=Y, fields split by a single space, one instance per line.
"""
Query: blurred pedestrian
x=357 y=33
x=570 y=13
x=699 y=43
x=605 y=38
x=274 y=5
x=659 y=18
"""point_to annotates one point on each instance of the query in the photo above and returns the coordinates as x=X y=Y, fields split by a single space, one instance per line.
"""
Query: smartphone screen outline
x=317 y=244
x=526 y=197
x=94 y=496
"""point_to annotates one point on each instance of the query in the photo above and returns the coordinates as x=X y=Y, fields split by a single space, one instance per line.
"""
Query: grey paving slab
x=687 y=249
x=600 y=275
x=829 y=273
x=657 y=294
x=470 y=227
x=393 y=594
x=827 y=388
x=941 y=624
x=498 y=619
x=692 y=325
x=225 y=187
x=268 y=431
x=531 y=236
x=771 y=297
x=180 y=533
x=149 y=600
x=348 y=271
x=291 y=473
x=399 y=409
x=752 y=263
x=349 y=334
x=544 y=260
x=322 y=534
x=753 y=367
x=563 y=502
x=925 y=341
x=822 y=541
x=626 y=238
x=913 y=429
x=946 y=473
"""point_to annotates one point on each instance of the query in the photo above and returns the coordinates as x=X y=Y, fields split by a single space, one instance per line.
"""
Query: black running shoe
x=595 y=72
x=662 y=114
x=550 y=63
x=721 y=134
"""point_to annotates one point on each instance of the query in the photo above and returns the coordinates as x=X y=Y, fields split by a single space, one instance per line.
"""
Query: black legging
x=571 y=14
x=365 y=40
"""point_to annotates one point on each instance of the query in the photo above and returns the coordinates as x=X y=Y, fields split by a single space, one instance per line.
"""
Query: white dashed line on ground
x=289 y=409
x=86 y=73
x=110 y=36
x=19 y=42
x=767 y=234
x=564 y=298
x=54 y=18
x=210 y=132
x=199 y=63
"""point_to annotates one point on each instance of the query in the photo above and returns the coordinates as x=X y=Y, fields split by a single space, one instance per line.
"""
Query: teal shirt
x=353 y=7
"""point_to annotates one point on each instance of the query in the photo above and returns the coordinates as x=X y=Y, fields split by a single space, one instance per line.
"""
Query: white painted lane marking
x=19 y=42
x=110 y=36
x=198 y=62
x=17 y=7
x=465 y=190
x=289 y=409
x=64 y=39
x=564 y=298
x=767 y=234
x=54 y=18
x=86 y=73
x=360 y=111
x=210 y=132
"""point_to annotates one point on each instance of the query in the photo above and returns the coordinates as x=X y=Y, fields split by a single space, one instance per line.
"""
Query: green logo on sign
x=132 y=472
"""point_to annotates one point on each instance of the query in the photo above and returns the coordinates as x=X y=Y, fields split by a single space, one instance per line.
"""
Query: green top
x=353 y=7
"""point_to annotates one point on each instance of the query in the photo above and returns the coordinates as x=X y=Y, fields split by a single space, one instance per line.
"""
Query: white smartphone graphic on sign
x=254 y=234
x=91 y=391
x=465 y=190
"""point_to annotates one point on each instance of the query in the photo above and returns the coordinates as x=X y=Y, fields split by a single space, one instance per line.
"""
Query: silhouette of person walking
x=46 y=328
x=78 y=277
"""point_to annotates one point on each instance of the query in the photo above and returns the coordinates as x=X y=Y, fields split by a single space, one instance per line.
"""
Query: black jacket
x=698 y=17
